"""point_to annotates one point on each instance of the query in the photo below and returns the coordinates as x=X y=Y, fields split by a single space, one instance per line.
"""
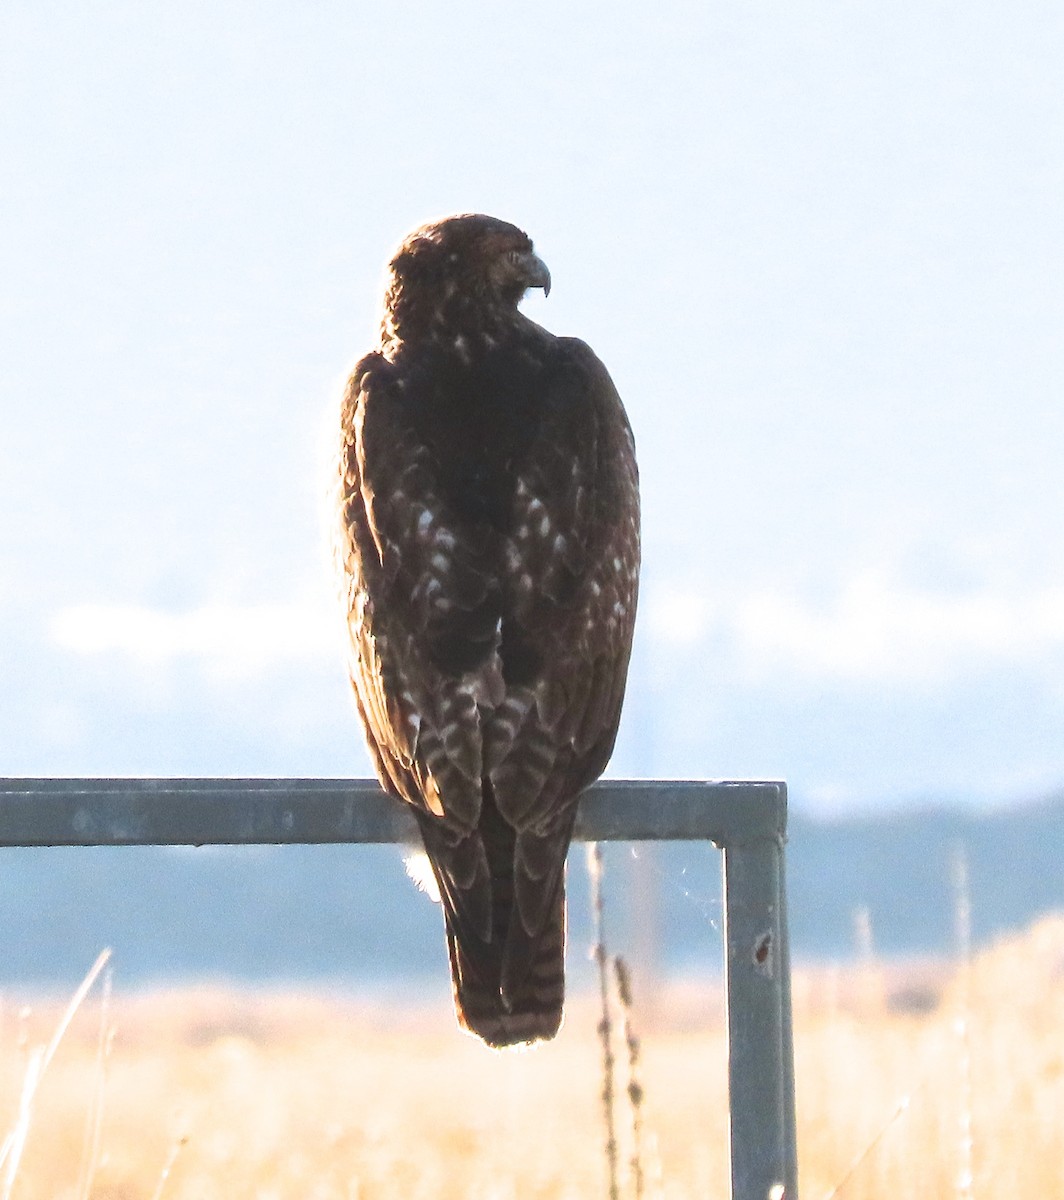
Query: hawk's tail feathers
x=534 y=1011
x=507 y=973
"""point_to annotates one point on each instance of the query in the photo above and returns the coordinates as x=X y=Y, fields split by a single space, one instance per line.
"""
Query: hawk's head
x=462 y=275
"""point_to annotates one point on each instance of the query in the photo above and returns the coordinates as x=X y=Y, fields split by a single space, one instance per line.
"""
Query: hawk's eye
x=514 y=257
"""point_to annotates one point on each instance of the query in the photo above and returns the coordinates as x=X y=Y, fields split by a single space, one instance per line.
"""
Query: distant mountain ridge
x=900 y=865
x=348 y=916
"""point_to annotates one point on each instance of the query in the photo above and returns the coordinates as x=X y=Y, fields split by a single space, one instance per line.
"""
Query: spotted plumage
x=489 y=544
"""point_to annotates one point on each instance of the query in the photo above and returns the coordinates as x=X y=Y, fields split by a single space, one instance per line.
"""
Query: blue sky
x=817 y=245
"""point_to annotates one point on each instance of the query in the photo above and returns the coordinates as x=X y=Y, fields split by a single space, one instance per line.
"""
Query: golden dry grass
x=285 y=1096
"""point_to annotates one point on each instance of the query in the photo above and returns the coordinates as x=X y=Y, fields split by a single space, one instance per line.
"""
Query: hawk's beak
x=535 y=273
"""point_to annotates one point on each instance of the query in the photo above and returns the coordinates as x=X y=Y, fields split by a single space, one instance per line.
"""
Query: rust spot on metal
x=763 y=953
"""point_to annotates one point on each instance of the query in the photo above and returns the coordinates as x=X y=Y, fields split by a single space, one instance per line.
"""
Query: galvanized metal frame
x=748 y=821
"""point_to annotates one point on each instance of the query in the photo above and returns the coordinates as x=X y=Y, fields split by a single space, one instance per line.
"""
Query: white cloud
x=234 y=638
x=875 y=629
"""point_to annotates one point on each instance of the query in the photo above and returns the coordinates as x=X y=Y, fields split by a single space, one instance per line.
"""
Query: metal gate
x=748 y=821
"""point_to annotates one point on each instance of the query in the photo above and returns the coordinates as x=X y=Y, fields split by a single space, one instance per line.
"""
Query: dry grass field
x=206 y=1094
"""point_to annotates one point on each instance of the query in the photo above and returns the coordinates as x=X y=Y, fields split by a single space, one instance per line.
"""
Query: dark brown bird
x=489 y=544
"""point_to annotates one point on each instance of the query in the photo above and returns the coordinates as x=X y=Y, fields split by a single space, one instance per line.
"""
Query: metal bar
x=197 y=812
x=754 y=966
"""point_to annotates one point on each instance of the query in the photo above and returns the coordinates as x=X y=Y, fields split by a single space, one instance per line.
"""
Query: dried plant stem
x=605 y=1028
x=90 y=1157
x=871 y=995
x=14 y=1143
x=635 y=1088
x=851 y=1170
x=75 y=1004
x=963 y=933
x=39 y=1059
x=168 y=1166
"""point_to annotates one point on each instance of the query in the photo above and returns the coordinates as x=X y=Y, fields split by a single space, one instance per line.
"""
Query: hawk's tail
x=534 y=1011
x=509 y=986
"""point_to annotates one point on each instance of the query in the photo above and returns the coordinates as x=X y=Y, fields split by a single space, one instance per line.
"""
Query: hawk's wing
x=574 y=549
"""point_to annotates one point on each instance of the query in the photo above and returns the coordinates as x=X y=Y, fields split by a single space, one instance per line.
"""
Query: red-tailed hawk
x=490 y=551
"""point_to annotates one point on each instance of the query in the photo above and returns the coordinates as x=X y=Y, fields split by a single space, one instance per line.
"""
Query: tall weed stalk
x=39 y=1059
x=605 y=1026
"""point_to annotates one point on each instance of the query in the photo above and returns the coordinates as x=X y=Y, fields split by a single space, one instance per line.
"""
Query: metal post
x=762 y=1164
x=790 y=1130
